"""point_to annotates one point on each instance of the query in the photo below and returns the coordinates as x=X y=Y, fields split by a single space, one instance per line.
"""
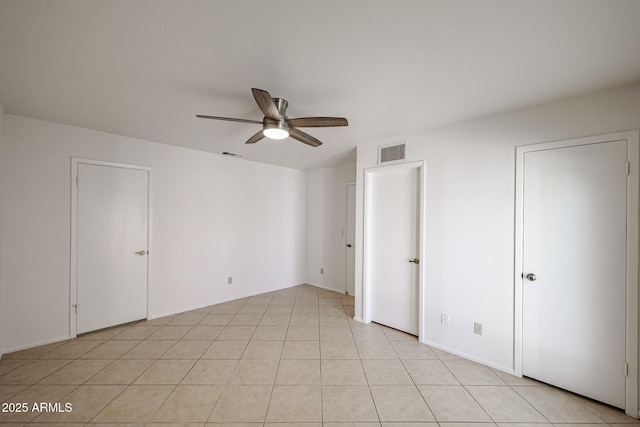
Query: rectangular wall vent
x=229 y=154
x=392 y=152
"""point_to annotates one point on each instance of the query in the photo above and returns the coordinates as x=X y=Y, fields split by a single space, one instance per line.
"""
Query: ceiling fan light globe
x=275 y=130
x=275 y=133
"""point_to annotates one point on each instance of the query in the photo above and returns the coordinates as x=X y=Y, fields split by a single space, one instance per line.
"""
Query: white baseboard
x=171 y=313
x=36 y=344
x=326 y=287
x=151 y=317
x=508 y=370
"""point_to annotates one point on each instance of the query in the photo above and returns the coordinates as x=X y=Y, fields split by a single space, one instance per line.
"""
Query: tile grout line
x=187 y=373
x=132 y=384
x=416 y=386
x=77 y=386
x=323 y=317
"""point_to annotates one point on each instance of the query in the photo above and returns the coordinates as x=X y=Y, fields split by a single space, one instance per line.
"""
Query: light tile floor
x=288 y=358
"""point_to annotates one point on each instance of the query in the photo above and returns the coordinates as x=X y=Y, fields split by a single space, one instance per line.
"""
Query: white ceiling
x=145 y=68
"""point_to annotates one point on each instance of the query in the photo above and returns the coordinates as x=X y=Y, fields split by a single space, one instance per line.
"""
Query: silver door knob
x=415 y=261
x=531 y=277
x=140 y=253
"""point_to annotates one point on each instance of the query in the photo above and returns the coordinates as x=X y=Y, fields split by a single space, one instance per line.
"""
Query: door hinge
x=76 y=181
x=75 y=307
x=626 y=369
x=628 y=168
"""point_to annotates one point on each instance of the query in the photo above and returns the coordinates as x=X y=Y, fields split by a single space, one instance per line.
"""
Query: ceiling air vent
x=392 y=152
x=228 y=154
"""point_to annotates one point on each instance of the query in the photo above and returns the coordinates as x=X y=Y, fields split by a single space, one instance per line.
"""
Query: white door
x=350 y=238
x=394 y=247
x=112 y=221
x=574 y=255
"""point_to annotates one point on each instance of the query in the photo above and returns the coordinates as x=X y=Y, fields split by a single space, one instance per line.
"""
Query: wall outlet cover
x=444 y=319
x=477 y=328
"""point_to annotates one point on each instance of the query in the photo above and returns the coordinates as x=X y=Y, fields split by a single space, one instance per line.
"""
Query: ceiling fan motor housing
x=282 y=105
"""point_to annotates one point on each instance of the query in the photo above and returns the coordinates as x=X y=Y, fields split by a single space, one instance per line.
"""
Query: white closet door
x=574 y=266
x=112 y=228
x=394 y=242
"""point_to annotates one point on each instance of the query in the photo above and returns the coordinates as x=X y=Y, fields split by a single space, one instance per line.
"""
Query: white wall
x=326 y=225
x=1 y=138
x=469 y=250
x=213 y=217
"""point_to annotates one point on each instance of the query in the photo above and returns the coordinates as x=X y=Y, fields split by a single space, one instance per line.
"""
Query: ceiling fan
x=276 y=124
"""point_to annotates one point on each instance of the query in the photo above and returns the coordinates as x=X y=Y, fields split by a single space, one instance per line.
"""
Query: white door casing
x=110 y=244
x=350 y=249
x=576 y=231
x=393 y=236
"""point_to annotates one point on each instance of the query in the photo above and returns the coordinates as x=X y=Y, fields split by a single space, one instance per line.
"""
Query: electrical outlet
x=477 y=328
x=229 y=280
x=444 y=319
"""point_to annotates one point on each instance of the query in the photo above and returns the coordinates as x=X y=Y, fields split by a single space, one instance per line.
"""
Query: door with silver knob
x=574 y=252
x=112 y=218
x=394 y=239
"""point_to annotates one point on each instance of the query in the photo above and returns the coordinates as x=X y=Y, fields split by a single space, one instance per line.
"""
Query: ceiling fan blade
x=317 y=122
x=229 y=119
x=304 y=137
x=255 y=138
x=266 y=104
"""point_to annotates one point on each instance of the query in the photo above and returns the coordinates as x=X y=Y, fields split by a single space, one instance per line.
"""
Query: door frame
x=369 y=190
x=631 y=309
x=346 y=234
x=73 y=282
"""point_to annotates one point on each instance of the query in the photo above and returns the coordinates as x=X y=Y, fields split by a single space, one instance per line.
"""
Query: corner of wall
x=326 y=220
x=1 y=138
